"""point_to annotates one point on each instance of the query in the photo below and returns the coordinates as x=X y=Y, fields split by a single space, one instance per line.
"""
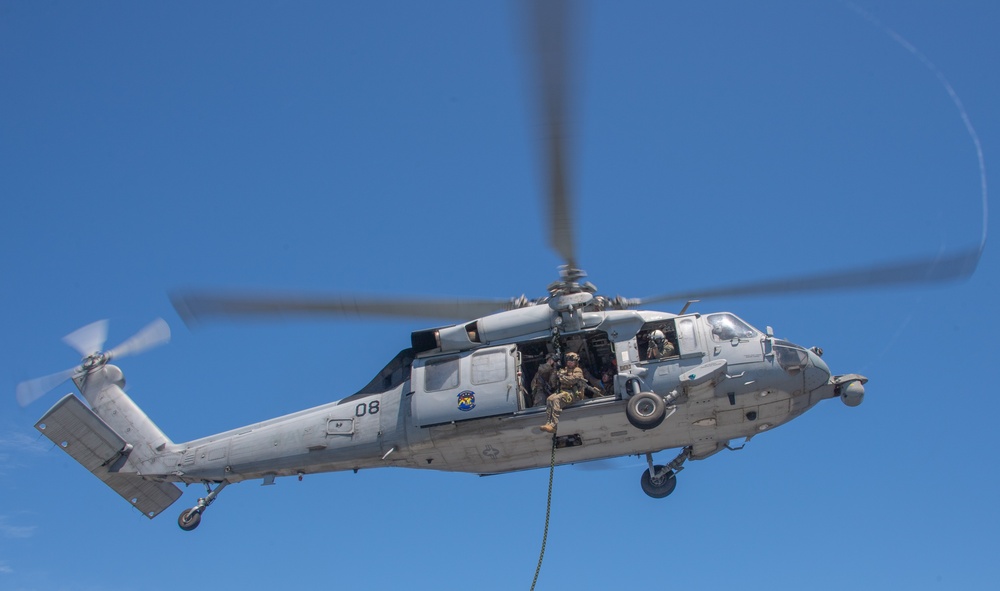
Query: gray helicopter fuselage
x=459 y=400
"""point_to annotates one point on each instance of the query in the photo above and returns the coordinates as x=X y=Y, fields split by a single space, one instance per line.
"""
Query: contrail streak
x=905 y=44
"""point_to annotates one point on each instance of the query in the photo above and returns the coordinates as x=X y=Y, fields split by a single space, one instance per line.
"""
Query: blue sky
x=389 y=148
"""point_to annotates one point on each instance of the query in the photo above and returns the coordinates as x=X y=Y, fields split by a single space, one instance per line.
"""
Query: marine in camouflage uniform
x=544 y=381
x=571 y=385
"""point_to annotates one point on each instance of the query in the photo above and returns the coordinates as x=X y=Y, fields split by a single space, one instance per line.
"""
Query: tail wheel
x=646 y=410
x=661 y=485
x=189 y=519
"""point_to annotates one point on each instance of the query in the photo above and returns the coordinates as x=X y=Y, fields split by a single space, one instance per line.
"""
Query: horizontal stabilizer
x=89 y=440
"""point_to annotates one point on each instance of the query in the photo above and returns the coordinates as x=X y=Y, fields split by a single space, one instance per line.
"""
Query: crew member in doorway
x=659 y=346
x=571 y=384
x=542 y=383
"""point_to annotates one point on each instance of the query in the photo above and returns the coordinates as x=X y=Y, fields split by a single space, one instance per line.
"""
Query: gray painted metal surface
x=461 y=406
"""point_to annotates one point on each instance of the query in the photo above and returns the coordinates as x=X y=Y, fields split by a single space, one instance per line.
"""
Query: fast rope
x=548 y=510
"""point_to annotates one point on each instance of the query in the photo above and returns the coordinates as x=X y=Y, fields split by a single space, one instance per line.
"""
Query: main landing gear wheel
x=189 y=519
x=646 y=410
x=659 y=481
x=660 y=485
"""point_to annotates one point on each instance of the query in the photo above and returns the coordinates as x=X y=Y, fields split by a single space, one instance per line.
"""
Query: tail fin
x=116 y=441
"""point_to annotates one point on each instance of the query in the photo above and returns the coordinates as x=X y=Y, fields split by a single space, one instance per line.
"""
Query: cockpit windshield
x=792 y=358
x=726 y=327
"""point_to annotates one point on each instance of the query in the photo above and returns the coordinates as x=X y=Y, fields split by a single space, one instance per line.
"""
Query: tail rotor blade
x=154 y=334
x=29 y=391
x=88 y=339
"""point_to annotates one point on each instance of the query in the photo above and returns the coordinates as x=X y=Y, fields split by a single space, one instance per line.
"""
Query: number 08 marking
x=366 y=409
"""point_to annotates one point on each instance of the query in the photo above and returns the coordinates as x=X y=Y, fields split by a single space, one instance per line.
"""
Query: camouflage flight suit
x=654 y=352
x=542 y=384
x=571 y=384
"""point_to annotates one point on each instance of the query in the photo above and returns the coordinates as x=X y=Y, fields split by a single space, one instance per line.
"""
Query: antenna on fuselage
x=686 y=306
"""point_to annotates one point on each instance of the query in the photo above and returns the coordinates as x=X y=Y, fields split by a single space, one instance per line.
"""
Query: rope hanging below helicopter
x=548 y=511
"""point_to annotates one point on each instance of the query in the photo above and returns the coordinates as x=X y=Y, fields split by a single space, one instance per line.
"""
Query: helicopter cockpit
x=791 y=357
x=726 y=327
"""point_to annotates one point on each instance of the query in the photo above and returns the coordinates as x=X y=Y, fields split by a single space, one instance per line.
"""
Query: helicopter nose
x=817 y=373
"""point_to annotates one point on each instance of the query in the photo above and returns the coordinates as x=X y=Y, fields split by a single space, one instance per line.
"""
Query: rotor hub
x=569 y=282
x=94 y=361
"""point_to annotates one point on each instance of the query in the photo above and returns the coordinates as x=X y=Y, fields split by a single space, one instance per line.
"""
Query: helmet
x=572 y=357
x=657 y=336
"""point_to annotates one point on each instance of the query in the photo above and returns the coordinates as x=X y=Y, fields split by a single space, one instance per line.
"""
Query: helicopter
x=457 y=399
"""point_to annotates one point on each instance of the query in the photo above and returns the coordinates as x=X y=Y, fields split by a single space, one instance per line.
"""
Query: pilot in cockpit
x=723 y=329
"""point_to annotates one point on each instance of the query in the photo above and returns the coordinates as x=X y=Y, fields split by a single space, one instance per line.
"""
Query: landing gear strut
x=659 y=481
x=190 y=518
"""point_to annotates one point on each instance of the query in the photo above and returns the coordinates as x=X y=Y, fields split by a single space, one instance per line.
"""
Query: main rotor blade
x=550 y=51
x=29 y=391
x=925 y=270
x=154 y=334
x=197 y=307
x=88 y=339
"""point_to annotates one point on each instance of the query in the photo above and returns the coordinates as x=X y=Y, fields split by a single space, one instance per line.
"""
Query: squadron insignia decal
x=466 y=400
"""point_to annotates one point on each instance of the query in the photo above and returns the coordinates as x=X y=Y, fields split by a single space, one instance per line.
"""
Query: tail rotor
x=88 y=342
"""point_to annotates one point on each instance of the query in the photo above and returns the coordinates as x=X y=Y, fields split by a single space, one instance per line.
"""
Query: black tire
x=663 y=486
x=189 y=519
x=646 y=410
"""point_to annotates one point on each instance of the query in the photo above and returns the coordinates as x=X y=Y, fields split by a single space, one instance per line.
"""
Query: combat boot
x=548 y=428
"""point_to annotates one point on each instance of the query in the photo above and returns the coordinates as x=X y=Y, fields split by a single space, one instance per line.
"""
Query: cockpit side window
x=726 y=327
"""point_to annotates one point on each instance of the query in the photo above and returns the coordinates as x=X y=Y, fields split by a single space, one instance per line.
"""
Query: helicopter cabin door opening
x=666 y=348
x=597 y=360
x=463 y=386
x=670 y=339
